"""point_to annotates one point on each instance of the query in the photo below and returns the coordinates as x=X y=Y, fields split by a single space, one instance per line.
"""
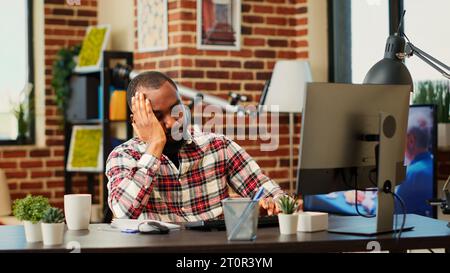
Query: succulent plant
x=288 y=204
x=53 y=216
x=30 y=208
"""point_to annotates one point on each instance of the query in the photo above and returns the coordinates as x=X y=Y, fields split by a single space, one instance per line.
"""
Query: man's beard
x=172 y=146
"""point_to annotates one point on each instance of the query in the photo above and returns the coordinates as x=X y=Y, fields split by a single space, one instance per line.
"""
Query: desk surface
x=428 y=233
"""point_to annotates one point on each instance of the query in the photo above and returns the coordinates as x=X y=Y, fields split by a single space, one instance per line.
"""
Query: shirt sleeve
x=129 y=182
x=245 y=176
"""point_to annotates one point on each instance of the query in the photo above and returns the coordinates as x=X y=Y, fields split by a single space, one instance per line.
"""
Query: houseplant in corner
x=30 y=210
x=53 y=226
x=63 y=68
x=288 y=217
x=438 y=93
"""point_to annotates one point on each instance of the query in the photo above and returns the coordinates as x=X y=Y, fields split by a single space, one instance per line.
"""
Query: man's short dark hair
x=150 y=80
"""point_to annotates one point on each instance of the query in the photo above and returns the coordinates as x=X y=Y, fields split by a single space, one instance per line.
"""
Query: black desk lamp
x=392 y=70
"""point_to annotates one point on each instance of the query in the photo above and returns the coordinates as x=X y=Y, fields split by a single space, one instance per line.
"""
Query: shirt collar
x=421 y=156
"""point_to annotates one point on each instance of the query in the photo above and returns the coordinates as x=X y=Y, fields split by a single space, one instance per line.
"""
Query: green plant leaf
x=62 y=70
x=30 y=208
x=53 y=216
x=288 y=204
x=434 y=92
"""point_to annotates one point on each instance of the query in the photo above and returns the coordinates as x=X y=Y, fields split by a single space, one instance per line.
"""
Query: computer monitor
x=353 y=136
x=419 y=185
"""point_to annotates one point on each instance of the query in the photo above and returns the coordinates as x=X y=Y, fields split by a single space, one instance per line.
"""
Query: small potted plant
x=288 y=218
x=30 y=210
x=53 y=226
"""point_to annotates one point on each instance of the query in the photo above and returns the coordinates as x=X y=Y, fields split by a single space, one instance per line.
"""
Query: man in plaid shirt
x=154 y=176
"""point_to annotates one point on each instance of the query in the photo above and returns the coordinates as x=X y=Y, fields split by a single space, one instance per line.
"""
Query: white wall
x=120 y=15
x=39 y=71
x=318 y=39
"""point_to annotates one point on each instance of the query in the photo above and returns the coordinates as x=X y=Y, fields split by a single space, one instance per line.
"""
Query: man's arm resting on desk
x=130 y=183
x=246 y=177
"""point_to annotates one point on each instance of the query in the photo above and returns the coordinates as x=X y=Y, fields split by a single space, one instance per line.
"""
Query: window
x=16 y=69
x=359 y=30
x=370 y=29
x=426 y=27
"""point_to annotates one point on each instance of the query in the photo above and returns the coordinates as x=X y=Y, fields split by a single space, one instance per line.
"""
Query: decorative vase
x=288 y=223
x=53 y=234
x=33 y=232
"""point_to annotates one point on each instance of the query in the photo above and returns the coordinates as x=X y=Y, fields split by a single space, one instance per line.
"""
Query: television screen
x=419 y=185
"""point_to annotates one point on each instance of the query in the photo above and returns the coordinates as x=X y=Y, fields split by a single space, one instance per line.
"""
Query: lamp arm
x=444 y=188
x=430 y=60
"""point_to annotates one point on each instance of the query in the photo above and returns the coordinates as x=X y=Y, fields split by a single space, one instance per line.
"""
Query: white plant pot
x=33 y=232
x=444 y=136
x=53 y=234
x=288 y=223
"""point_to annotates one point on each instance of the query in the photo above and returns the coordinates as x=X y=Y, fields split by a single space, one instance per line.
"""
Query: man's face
x=163 y=101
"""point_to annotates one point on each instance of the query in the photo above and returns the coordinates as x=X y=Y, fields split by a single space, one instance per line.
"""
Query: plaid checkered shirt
x=142 y=186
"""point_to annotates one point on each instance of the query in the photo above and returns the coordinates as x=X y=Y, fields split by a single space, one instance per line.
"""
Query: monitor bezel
x=435 y=150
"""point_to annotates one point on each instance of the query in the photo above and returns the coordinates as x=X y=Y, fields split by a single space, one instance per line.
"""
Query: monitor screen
x=419 y=185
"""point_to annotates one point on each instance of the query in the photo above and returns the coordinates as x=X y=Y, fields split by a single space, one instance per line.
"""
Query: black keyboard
x=219 y=224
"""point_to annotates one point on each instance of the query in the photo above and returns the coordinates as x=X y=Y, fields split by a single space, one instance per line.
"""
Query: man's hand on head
x=146 y=125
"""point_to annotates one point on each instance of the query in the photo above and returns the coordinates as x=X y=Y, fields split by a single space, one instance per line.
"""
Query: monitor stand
x=386 y=176
x=358 y=225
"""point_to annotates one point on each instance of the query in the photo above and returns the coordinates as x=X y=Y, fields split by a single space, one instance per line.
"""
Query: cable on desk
x=402 y=203
x=356 y=198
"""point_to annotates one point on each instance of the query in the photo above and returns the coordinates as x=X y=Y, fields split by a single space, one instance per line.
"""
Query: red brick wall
x=41 y=170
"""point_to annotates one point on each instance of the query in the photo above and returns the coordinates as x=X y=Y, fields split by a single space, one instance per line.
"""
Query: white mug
x=77 y=209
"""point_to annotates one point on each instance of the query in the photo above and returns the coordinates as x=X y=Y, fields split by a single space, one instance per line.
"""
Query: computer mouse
x=151 y=227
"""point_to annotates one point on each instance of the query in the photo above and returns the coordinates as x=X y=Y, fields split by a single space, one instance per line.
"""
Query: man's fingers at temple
x=134 y=108
x=142 y=110
x=149 y=107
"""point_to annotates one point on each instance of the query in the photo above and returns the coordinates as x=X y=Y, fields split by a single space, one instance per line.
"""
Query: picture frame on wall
x=152 y=25
x=219 y=24
x=91 y=52
x=86 y=149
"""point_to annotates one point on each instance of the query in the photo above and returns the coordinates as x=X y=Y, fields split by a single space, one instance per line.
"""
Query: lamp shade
x=288 y=85
x=391 y=69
